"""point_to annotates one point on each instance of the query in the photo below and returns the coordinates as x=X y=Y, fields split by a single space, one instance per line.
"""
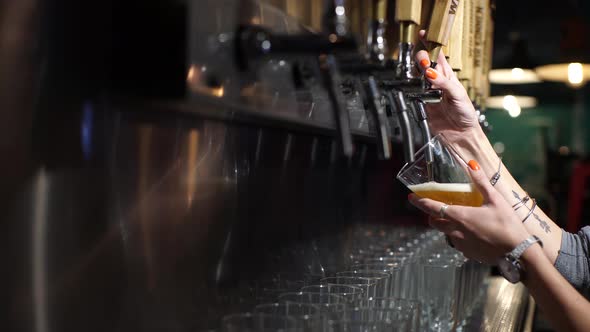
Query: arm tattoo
x=542 y=223
x=516 y=195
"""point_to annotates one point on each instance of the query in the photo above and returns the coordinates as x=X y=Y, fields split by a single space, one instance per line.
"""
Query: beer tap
x=365 y=81
x=407 y=14
x=423 y=121
x=397 y=102
x=330 y=78
x=376 y=41
x=481 y=8
x=441 y=23
x=454 y=49
x=465 y=75
x=372 y=97
x=254 y=43
x=483 y=31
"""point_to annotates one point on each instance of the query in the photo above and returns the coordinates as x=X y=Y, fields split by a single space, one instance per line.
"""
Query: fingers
x=446 y=226
x=449 y=85
x=423 y=59
x=481 y=181
x=433 y=208
x=441 y=60
x=422 y=34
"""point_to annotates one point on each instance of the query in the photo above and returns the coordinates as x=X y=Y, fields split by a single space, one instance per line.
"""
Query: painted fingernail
x=424 y=63
x=474 y=165
x=431 y=73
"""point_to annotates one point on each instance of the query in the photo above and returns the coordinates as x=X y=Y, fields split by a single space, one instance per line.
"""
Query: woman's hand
x=483 y=233
x=455 y=115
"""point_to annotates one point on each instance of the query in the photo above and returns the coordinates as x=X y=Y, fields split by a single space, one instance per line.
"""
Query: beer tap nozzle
x=423 y=122
x=331 y=81
x=397 y=102
x=373 y=99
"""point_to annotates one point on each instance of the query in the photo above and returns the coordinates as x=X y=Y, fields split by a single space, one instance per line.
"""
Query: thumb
x=481 y=181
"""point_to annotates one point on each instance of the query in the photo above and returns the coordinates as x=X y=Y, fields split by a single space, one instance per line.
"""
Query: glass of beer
x=438 y=172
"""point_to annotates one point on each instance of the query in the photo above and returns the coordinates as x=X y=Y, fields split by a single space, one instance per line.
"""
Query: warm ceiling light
x=510 y=100
x=518 y=67
x=510 y=103
x=513 y=76
x=514 y=111
x=575 y=74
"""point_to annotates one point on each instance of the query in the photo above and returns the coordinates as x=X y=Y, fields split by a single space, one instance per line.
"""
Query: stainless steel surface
x=530 y=316
x=397 y=98
x=144 y=178
x=504 y=309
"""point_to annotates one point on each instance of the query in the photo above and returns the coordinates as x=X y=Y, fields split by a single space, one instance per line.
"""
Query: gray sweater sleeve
x=574 y=257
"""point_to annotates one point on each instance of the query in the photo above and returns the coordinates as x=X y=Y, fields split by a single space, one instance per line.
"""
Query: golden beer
x=449 y=193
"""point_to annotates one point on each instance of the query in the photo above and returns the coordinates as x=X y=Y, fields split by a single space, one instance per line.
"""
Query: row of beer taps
x=389 y=88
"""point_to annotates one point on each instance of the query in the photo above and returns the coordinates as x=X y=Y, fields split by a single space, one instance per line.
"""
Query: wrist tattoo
x=542 y=223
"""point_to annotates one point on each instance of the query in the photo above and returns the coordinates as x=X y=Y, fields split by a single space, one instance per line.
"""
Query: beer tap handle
x=255 y=42
x=465 y=76
x=397 y=102
x=441 y=23
x=372 y=97
x=454 y=49
x=407 y=14
x=331 y=81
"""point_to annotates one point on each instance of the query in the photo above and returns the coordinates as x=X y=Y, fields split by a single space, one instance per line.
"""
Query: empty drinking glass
x=410 y=309
x=349 y=292
x=259 y=323
x=369 y=287
x=331 y=305
x=382 y=279
x=437 y=291
x=307 y=315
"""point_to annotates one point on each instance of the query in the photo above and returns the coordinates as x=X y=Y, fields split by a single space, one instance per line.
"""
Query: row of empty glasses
x=387 y=279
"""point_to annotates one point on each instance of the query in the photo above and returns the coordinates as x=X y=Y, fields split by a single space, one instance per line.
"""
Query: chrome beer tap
x=376 y=41
x=254 y=43
x=407 y=14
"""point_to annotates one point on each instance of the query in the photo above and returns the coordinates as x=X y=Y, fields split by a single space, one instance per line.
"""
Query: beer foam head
x=448 y=187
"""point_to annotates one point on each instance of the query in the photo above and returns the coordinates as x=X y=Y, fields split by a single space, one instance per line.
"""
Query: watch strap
x=524 y=245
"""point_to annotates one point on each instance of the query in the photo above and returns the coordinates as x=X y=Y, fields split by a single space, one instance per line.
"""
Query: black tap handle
x=331 y=81
x=254 y=42
x=373 y=100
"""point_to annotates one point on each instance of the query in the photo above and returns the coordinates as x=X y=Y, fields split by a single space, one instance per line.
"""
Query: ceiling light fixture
x=518 y=68
x=514 y=104
x=574 y=66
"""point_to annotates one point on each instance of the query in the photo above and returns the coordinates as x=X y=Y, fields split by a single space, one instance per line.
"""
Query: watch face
x=509 y=271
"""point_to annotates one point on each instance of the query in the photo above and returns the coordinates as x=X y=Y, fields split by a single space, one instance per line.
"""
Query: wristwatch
x=509 y=265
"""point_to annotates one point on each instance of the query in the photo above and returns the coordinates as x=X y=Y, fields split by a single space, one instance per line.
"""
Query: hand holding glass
x=444 y=178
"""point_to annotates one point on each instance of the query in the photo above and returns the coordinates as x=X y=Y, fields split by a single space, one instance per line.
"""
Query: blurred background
x=129 y=199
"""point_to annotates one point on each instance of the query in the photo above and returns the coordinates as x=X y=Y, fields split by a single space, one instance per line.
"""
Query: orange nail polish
x=474 y=165
x=424 y=63
x=430 y=73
